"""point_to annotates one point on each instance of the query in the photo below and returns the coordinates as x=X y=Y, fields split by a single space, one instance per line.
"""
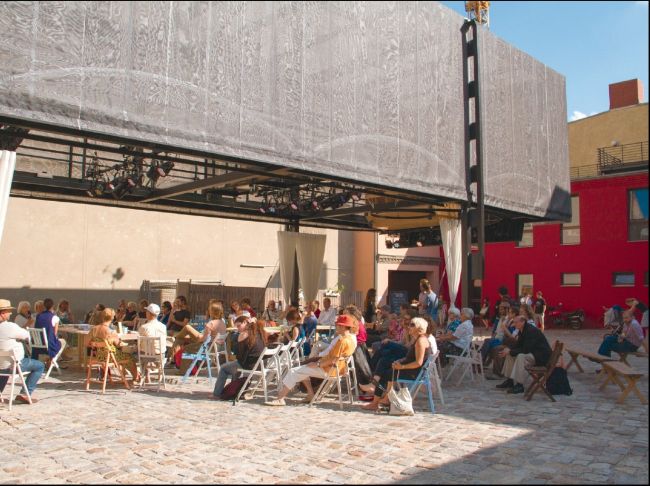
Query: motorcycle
x=555 y=316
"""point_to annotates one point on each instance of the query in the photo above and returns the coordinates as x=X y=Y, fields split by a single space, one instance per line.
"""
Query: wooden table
x=631 y=376
x=82 y=359
x=638 y=354
x=599 y=358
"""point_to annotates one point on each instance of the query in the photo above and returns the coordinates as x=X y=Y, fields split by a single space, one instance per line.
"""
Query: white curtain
x=287 y=243
x=7 y=164
x=311 y=252
x=452 y=246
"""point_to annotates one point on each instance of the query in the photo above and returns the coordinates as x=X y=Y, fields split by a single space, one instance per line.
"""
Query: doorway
x=403 y=280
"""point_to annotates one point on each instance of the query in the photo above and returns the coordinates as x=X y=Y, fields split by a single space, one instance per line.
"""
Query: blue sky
x=593 y=44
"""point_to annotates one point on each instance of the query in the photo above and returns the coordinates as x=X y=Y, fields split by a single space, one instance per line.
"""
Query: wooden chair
x=104 y=364
x=540 y=374
x=561 y=364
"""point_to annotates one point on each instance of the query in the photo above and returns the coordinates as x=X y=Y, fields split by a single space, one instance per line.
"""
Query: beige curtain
x=311 y=252
x=452 y=246
x=7 y=164
x=287 y=243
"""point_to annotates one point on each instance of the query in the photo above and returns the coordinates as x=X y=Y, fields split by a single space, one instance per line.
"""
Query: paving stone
x=482 y=435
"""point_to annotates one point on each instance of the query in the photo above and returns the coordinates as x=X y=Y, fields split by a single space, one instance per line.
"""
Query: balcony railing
x=621 y=158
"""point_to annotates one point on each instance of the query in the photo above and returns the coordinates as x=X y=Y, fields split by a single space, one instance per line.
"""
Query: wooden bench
x=638 y=354
x=599 y=358
x=631 y=376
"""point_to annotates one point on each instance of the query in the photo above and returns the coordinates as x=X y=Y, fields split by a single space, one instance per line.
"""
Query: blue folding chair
x=201 y=355
x=422 y=379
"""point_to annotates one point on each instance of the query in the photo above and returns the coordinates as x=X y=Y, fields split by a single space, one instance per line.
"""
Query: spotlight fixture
x=135 y=179
x=273 y=206
x=165 y=168
x=295 y=205
x=355 y=196
x=389 y=244
x=420 y=241
x=263 y=207
x=396 y=244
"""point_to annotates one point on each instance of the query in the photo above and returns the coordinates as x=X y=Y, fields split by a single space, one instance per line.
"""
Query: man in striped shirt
x=630 y=338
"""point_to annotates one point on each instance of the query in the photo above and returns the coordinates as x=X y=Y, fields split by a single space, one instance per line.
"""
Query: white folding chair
x=264 y=372
x=137 y=322
x=335 y=377
x=470 y=357
x=284 y=361
x=151 y=357
x=435 y=377
x=217 y=349
x=16 y=371
x=38 y=340
x=295 y=351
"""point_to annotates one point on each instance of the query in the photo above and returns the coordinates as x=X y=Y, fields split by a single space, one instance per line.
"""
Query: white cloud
x=578 y=115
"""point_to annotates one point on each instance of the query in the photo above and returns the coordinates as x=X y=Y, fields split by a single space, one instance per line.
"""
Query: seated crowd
x=383 y=346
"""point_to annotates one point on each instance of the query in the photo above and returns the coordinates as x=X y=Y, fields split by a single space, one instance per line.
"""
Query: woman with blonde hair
x=235 y=312
x=215 y=326
x=102 y=332
x=64 y=313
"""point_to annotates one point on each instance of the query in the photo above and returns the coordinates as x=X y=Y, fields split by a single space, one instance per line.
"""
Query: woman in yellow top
x=344 y=347
x=102 y=332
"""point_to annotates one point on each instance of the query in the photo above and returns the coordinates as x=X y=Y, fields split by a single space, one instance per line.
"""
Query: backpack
x=558 y=383
x=178 y=360
x=231 y=390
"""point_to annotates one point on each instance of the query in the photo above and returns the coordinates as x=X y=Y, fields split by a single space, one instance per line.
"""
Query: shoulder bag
x=401 y=402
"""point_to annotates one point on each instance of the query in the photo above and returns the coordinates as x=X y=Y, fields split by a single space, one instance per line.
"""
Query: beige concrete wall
x=623 y=125
x=364 y=261
x=91 y=253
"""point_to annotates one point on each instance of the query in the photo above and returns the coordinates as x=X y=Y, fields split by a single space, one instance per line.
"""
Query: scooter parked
x=554 y=316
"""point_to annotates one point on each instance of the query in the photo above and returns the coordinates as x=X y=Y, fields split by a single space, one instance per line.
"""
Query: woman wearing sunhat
x=322 y=368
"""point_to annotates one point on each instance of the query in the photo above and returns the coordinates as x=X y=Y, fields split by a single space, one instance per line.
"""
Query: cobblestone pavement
x=480 y=435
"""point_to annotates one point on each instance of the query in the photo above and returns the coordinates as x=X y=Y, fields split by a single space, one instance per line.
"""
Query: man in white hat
x=153 y=327
x=10 y=333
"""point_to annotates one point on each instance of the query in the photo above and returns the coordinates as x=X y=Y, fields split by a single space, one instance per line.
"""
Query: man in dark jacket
x=532 y=349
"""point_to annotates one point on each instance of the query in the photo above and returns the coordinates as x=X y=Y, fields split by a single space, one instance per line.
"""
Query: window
x=571 y=279
x=524 y=285
x=571 y=230
x=645 y=278
x=527 y=236
x=623 y=279
x=637 y=221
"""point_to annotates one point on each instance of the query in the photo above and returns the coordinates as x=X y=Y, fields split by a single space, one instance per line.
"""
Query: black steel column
x=294 y=226
x=473 y=211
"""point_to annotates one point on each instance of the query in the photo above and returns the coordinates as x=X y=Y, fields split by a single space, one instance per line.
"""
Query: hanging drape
x=452 y=245
x=311 y=252
x=287 y=243
x=7 y=164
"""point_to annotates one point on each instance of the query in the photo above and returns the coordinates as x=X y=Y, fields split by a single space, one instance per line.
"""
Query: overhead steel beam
x=231 y=178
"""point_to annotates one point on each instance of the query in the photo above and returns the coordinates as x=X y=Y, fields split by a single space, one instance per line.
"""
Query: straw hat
x=5 y=305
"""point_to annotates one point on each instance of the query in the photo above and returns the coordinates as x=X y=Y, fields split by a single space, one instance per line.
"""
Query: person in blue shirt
x=429 y=300
x=166 y=311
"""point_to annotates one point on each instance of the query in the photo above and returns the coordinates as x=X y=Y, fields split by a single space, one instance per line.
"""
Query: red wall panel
x=603 y=249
